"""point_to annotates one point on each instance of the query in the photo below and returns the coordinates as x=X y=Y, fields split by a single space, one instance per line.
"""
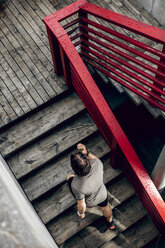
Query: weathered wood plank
x=8 y=94
x=153 y=243
x=51 y=5
x=40 y=94
x=48 y=118
x=39 y=12
x=43 y=7
x=29 y=29
x=114 y=8
x=14 y=90
x=42 y=10
x=4 y=117
x=125 y=215
x=23 y=89
x=130 y=7
x=8 y=108
x=63 y=227
x=128 y=10
x=140 y=234
x=1 y=121
x=26 y=36
x=119 y=242
x=46 y=149
x=30 y=60
x=11 y=100
x=24 y=78
x=36 y=60
x=61 y=199
x=21 y=27
x=32 y=48
x=44 y=180
x=28 y=6
x=32 y=22
x=143 y=12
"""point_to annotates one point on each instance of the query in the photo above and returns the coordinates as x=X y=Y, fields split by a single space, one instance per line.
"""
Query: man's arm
x=84 y=151
x=81 y=207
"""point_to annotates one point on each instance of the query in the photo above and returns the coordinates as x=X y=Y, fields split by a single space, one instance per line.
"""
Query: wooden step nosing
x=90 y=220
x=19 y=178
x=44 y=134
x=35 y=110
x=96 y=134
x=72 y=203
x=51 y=188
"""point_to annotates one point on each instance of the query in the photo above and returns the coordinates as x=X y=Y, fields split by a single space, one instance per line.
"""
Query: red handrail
x=77 y=75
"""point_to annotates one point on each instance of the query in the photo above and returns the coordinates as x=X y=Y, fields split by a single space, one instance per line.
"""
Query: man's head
x=80 y=163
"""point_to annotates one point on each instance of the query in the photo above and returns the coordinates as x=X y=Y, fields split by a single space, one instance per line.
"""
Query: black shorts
x=101 y=204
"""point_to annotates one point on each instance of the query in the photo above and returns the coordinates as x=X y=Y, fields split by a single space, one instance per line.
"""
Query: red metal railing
x=67 y=61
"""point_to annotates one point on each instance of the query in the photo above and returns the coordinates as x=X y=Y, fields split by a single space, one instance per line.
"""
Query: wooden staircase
x=37 y=149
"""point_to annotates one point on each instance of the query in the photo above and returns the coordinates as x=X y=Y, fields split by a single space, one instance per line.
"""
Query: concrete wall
x=20 y=226
x=158 y=174
x=156 y=8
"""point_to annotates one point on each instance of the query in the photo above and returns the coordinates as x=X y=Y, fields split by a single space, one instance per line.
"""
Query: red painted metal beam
x=125 y=38
x=147 y=98
x=127 y=56
x=153 y=33
x=125 y=63
x=65 y=12
x=124 y=46
x=107 y=123
x=128 y=72
x=70 y=24
x=76 y=72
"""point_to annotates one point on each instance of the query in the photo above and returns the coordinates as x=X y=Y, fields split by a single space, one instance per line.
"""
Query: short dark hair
x=80 y=163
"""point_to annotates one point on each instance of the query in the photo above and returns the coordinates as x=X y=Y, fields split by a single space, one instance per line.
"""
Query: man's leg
x=107 y=212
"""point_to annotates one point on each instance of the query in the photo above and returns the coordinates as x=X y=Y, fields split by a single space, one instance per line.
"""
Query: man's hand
x=82 y=148
x=82 y=216
x=81 y=207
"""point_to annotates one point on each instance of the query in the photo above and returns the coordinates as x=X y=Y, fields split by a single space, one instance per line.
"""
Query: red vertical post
x=66 y=68
x=83 y=15
x=160 y=69
x=116 y=155
x=55 y=51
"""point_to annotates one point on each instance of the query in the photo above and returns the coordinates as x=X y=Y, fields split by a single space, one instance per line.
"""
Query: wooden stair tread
x=157 y=242
x=39 y=123
x=43 y=151
x=97 y=234
x=55 y=173
x=61 y=199
x=139 y=234
x=65 y=226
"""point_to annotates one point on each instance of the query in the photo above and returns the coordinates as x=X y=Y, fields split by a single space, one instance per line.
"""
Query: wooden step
x=61 y=198
x=137 y=235
x=157 y=242
x=48 y=148
x=125 y=215
x=39 y=123
x=136 y=7
x=68 y=224
x=55 y=173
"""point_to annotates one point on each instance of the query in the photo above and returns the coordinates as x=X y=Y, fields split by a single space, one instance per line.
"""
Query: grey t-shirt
x=91 y=186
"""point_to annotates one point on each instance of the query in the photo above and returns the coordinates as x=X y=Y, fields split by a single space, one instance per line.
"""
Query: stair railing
x=65 y=39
